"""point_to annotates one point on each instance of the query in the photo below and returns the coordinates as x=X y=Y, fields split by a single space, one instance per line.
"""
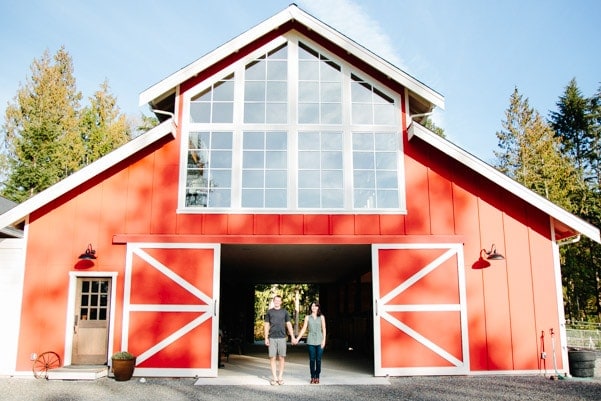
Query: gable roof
x=92 y=170
x=559 y=215
x=422 y=98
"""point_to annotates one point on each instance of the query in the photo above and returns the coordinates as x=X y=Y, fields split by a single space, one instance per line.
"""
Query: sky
x=472 y=52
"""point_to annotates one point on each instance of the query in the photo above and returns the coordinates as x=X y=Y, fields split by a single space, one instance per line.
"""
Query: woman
x=316 y=340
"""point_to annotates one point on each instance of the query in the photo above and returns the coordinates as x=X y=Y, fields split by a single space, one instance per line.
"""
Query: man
x=277 y=320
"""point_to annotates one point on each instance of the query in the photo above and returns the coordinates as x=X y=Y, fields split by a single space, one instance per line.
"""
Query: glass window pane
x=388 y=199
x=386 y=160
x=330 y=71
x=275 y=159
x=331 y=160
x=200 y=112
x=254 y=91
x=363 y=141
x=308 y=198
x=276 y=198
x=332 y=179
x=361 y=113
x=277 y=113
x=308 y=160
x=221 y=159
x=331 y=113
x=306 y=53
x=308 y=113
x=333 y=199
x=360 y=92
x=384 y=114
x=254 y=140
x=252 y=159
x=308 y=179
x=277 y=70
x=308 y=70
x=308 y=140
x=364 y=199
x=220 y=198
x=276 y=179
x=253 y=179
x=223 y=91
x=363 y=160
x=308 y=92
x=277 y=91
x=252 y=198
x=386 y=141
x=386 y=179
x=331 y=92
x=364 y=179
x=331 y=141
x=254 y=113
x=223 y=112
x=221 y=140
x=255 y=70
x=276 y=140
x=221 y=178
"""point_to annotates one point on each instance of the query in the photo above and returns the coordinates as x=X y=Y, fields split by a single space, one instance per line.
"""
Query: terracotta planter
x=123 y=369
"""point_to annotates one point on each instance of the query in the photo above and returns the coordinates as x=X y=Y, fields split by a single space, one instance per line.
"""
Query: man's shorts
x=277 y=346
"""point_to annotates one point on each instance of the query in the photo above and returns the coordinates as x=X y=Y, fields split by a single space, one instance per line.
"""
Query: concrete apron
x=253 y=369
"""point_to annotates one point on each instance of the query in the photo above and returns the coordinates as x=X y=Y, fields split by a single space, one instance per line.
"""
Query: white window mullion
x=237 y=137
x=347 y=135
x=293 y=124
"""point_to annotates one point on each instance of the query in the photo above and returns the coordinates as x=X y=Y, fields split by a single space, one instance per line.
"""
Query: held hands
x=294 y=340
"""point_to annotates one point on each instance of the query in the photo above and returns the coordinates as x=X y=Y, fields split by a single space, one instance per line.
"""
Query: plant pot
x=123 y=369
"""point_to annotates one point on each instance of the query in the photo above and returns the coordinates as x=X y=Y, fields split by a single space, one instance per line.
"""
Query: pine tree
x=41 y=135
x=103 y=127
x=530 y=154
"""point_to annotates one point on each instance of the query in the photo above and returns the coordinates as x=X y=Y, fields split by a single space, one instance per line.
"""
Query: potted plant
x=123 y=364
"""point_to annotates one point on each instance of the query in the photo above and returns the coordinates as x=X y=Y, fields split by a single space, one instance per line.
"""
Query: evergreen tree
x=41 y=135
x=103 y=127
x=530 y=154
x=576 y=122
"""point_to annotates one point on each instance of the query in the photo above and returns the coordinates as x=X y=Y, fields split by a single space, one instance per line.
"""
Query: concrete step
x=78 y=372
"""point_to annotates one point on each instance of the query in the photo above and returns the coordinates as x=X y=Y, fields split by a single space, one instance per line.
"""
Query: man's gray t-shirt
x=277 y=319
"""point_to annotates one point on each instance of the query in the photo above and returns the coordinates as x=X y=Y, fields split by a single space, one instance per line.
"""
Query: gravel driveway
x=497 y=388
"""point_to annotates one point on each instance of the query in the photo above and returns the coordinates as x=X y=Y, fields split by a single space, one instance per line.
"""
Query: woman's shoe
x=317 y=380
x=312 y=380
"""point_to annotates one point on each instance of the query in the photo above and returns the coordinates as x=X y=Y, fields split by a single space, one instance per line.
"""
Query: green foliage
x=46 y=136
x=123 y=355
x=264 y=293
x=560 y=160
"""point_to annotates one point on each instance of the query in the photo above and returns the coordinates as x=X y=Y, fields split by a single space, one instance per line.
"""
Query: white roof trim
x=505 y=182
x=79 y=177
x=291 y=13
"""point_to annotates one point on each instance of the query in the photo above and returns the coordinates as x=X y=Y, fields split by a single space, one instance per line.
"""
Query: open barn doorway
x=338 y=276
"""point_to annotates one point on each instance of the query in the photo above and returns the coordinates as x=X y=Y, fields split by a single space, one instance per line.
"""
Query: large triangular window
x=292 y=129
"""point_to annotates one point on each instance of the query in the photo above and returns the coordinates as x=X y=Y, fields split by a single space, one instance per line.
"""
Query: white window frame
x=292 y=127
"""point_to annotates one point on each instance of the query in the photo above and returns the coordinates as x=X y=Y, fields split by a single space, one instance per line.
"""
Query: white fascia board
x=291 y=13
x=20 y=211
x=505 y=182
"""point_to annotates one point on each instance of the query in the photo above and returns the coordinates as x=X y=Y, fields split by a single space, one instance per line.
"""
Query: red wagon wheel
x=44 y=362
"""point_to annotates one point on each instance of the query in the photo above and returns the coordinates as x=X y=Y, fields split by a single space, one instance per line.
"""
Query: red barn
x=289 y=154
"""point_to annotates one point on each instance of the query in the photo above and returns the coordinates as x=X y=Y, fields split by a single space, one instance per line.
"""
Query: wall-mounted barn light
x=492 y=254
x=482 y=263
x=88 y=254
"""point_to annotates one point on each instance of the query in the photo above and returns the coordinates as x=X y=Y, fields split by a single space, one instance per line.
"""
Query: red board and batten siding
x=508 y=304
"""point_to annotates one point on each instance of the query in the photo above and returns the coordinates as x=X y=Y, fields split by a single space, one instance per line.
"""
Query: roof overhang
x=561 y=217
x=19 y=212
x=425 y=96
